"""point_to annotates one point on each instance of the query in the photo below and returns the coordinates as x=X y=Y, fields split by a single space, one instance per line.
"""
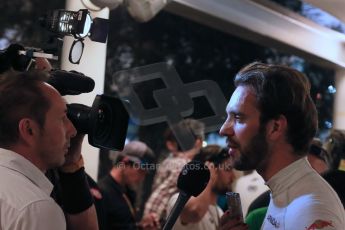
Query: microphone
x=70 y=82
x=192 y=181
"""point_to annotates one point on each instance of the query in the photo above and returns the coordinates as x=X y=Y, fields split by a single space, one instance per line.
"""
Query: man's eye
x=64 y=118
x=238 y=117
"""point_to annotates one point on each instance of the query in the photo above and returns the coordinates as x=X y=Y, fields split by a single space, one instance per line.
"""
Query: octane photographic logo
x=174 y=101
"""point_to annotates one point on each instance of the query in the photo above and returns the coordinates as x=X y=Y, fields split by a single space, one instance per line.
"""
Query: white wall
x=92 y=64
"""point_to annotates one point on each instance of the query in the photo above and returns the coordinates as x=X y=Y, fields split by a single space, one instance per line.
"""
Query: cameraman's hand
x=228 y=223
x=74 y=159
x=43 y=64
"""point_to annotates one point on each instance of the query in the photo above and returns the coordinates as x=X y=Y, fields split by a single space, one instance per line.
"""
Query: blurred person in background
x=163 y=170
x=118 y=187
x=318 y=158
x=250 y=186
x=155 y=211
x=335 y=146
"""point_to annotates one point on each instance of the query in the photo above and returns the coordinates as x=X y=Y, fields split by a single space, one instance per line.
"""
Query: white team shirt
x=25 y=202
x=302 y=200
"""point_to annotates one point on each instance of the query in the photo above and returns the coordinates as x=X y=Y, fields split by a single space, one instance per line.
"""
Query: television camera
x=105 y=121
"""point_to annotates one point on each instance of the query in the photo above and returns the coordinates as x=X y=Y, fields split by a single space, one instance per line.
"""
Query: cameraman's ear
x=27 y=129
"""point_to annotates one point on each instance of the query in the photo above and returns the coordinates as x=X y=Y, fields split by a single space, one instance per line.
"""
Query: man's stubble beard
x=254 y=155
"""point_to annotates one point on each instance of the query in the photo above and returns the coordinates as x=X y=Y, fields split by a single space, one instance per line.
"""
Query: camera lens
x=104 y=122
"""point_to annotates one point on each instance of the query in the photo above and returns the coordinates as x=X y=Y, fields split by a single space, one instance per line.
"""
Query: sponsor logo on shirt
x=273 y=221
x=320 y=224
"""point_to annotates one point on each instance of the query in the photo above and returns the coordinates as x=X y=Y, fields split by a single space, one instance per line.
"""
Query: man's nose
x=227 y=128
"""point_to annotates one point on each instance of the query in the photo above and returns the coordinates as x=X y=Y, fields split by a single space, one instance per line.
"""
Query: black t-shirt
x=118 y=204
x=98 y=202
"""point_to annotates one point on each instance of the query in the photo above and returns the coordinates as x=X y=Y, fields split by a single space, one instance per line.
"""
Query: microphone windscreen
x=71 y=83
x=193 y=178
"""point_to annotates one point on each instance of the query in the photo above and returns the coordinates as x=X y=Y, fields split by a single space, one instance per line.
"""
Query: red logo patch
x=319 y=224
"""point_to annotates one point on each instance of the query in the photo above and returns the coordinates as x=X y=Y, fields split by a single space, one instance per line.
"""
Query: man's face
x=54 y=140
x=225 y=177
x=134 y=176
x=246 y=139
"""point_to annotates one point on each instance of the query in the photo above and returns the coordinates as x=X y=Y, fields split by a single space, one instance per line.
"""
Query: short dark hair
x=281 y=90
x=212 y=153
x=20 y=97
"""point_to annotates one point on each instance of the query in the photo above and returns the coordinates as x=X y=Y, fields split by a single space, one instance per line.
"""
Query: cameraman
x=35 y=136
x=71 y=183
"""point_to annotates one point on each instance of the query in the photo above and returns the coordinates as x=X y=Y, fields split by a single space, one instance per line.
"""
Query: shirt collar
x=286 y=177
x=18 y=163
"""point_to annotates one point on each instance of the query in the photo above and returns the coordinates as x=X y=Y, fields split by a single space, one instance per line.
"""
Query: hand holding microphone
x=192 y=181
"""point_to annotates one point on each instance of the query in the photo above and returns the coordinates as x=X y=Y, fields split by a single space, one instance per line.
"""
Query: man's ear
x=276 y=128
x=27 y=129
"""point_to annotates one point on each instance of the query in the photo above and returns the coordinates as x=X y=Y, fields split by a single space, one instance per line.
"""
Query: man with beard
x=202 y=212
x=271 y=122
